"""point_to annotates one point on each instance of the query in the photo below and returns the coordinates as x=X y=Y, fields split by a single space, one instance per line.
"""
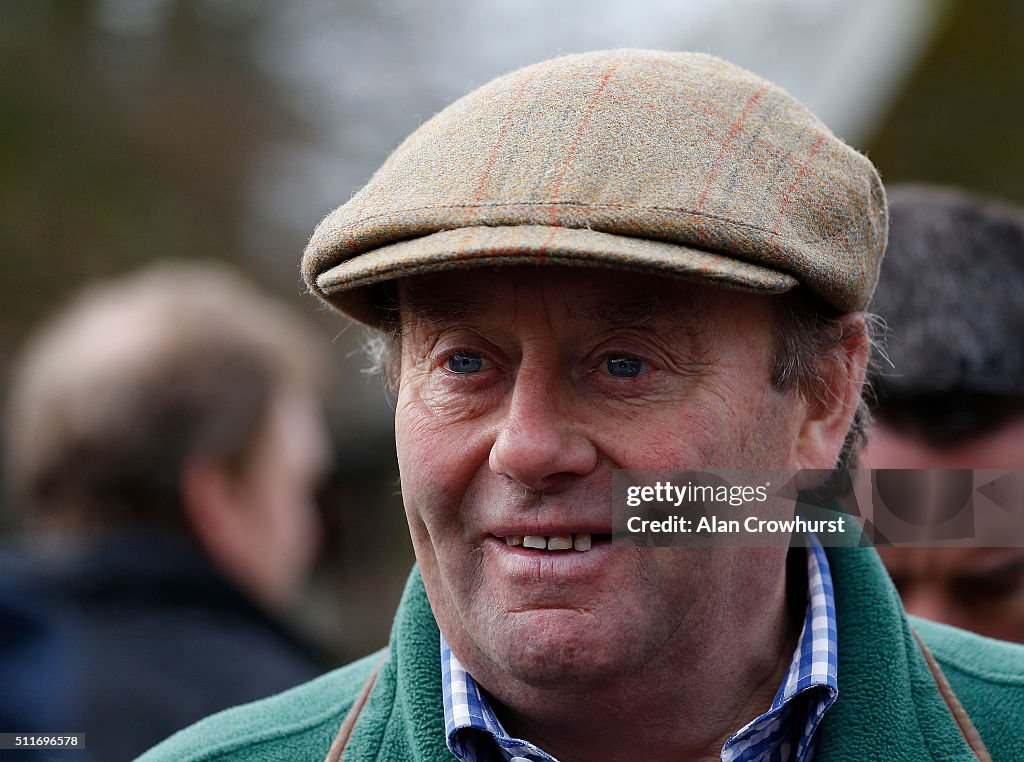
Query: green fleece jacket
x=889 y=707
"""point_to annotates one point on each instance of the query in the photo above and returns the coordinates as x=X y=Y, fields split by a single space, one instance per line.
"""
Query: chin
x=563 y=649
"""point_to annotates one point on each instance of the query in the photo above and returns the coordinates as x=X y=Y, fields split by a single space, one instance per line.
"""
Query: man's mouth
x=580 y=541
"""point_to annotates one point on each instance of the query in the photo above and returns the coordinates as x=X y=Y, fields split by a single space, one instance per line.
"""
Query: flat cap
x=673 y=163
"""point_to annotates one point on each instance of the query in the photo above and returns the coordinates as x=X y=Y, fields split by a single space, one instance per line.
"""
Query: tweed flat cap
x=672 y=163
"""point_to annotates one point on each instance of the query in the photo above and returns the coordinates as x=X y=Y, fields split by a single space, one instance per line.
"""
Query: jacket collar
x=888 y=706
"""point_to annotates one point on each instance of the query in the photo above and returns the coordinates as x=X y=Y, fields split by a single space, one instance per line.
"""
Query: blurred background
x=138 y=130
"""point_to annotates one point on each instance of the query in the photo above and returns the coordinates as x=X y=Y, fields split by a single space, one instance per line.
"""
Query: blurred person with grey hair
x=164 y=441
x=952 y=293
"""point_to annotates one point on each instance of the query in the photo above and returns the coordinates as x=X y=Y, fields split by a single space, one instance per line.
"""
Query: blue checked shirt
x=787 y=732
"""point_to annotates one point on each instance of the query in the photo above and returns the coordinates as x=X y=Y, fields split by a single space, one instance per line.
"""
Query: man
x=164 y=439
x=617 y=260
x=951 y=293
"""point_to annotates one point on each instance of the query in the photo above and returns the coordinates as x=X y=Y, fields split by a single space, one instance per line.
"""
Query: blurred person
x=952 y=293
x=164 y=441
x=615 y=260
x=34 y=661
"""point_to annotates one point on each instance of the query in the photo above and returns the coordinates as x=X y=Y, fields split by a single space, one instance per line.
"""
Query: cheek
x=721 y=436
x=437 y=465
x=422 y=450
x=704 y=436
x=673 y=441
x=437 y=462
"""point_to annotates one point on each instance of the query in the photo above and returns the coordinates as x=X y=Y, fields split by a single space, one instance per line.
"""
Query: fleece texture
x=889 y=707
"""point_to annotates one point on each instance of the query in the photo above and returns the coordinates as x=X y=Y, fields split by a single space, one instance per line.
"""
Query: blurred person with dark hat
x=952 y=293
x=164 y=440
x=619 y=260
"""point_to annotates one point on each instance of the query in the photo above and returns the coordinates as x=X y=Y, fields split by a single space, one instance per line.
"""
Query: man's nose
x=539 y=443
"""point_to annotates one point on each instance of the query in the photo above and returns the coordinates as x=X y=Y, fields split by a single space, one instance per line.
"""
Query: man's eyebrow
x=637 y=310
x=435 y=308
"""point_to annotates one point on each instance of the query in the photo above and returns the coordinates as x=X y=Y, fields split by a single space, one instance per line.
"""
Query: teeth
x=560 y=542
x=580 y=542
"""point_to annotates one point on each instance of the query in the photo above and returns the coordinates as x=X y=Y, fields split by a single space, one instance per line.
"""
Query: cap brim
x=345 y=286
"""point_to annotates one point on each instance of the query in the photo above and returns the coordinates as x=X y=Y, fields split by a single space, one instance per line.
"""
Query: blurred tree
x=960 y=118
x=128 y=132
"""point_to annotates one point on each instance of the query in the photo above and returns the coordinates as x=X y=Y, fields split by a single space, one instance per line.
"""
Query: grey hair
x=176 y=361
x=809 y=334
x=383 y=345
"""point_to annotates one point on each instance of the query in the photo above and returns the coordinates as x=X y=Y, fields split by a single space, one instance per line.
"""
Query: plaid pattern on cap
x=671 y=163
x=787 y=732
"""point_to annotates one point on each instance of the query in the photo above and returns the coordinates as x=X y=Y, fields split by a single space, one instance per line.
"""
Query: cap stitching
x=399 y=212
x=374 y=277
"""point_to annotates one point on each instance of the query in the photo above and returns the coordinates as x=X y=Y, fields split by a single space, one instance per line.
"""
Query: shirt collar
x=787 y=731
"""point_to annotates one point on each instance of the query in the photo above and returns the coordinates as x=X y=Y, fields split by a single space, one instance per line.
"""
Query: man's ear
x=831 y=403
x=210 y=501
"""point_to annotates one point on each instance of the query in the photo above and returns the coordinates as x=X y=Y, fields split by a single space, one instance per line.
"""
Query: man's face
x=979 y=589
x=521 y=390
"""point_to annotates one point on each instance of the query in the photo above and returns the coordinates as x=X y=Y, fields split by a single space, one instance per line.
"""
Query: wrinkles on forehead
x=416 y=299
x=628 y=308
x=626 y=301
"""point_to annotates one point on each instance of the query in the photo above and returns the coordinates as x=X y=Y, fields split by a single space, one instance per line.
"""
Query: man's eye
x=464 y=362
x=624 y=367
